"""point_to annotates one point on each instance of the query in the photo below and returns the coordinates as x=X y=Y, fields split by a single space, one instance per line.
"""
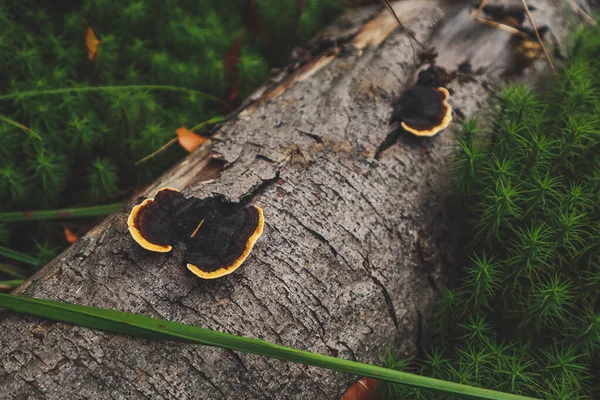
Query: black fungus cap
x=425 y=110
x=219 y=235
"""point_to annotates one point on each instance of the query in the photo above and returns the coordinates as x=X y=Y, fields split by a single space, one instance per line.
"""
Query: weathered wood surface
x=353 y=245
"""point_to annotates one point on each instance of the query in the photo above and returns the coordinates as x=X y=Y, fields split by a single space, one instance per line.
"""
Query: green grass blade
x=82 y=212
x=13 y=271
x=18 y=125
x=168 y=88
x=15 y=255
x=211 y=121
x=11 y=284
x=153 y=328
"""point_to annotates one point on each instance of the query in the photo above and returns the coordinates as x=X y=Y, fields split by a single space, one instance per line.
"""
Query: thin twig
x=75 y=212
x=108 y=89
x=201 y=125
x=19 y=125
x=479 y=9
x=163 y=148
x=503 y=27
x=539 y=38
x=410 y=37
x=582 y=12
x=212 y=121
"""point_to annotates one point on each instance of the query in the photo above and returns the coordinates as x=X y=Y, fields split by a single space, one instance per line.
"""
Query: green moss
x=89 y=141
x=524 y=317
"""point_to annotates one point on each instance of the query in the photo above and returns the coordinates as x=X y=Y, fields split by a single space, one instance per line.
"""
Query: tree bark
x=354 y=245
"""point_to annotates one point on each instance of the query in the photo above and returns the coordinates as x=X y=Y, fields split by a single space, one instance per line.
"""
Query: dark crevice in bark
x=350 y=351
x=314 y=233
x=212 y=170
x=259 y=189
x=315 y=297
x=388 y=300
x=239 y=360
x=317 y=320
x=311 y=135
x=263 y=157
x=207 y=379
x=319 y=237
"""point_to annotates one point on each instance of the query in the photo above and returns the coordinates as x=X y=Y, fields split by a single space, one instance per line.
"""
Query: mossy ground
x=83 y=145
x=524 y=317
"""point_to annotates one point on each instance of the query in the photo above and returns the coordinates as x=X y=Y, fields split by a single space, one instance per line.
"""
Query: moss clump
x=525 y=315
x=82 y=145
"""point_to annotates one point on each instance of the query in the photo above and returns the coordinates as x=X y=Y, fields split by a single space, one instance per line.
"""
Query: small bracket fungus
x=424 y=110
x=219 y=235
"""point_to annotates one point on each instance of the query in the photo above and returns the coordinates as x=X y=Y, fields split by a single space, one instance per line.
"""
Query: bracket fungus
x=423 y=110
x=218 y=234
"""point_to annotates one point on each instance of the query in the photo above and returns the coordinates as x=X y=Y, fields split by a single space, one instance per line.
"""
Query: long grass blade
x=153 y=328
x=19 y=125
x=110 y=88
x=11 y=284
x=16 y=255
x=211 y=121
x=81 y=212
x=13 y=271
x=160 y=150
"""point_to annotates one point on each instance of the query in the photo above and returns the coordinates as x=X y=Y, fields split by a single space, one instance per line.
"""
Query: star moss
x=81 y=145
x=525 y=315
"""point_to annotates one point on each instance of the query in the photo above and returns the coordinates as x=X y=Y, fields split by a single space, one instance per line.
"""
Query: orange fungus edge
x=166 y=188
x=236 y=264
x=137 y=234
x=445 y=121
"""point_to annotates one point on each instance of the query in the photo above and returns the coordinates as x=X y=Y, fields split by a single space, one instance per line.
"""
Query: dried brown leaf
x=91 y=42
x=70 y=235
x=189 y=140
x=364 y=389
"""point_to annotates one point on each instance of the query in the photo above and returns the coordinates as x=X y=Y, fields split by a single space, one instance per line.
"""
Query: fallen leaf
x=91 y=42
x=364 y=389
x=70 y=235
x=231 y=59
x=189 y=140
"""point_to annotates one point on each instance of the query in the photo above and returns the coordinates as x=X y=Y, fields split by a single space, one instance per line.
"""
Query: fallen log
x=356 y=239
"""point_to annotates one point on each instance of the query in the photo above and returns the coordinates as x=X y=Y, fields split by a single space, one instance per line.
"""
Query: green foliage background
x=83 y=145
x=525 y=315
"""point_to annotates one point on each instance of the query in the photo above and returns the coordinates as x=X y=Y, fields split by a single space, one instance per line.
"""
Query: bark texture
x=353 y=248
